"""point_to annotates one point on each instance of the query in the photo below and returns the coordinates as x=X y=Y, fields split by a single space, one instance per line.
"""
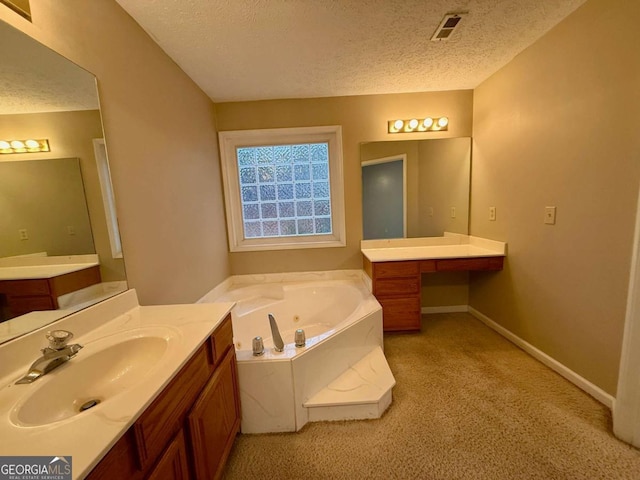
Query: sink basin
x=88 y=380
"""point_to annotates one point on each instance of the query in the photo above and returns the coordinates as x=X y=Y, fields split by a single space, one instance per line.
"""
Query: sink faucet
x=57 y=353
x=277 y=339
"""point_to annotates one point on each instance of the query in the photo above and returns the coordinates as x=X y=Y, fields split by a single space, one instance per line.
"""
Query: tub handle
x=258 y=346
x=277 y=339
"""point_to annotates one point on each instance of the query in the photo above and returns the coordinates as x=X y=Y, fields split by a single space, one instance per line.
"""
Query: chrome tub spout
x=275 y=333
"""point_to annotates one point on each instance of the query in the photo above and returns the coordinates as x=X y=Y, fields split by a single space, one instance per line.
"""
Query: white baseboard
x=445 y=309
x=582 y=383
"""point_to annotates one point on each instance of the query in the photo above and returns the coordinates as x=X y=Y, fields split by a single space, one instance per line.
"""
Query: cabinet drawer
x=395 y=269
x=29 y=304
x=165 y=416
x=397 y=286
x=23 y=288
x=221 y=340
x=427 y=266
x=401 y=314
x=462 y=264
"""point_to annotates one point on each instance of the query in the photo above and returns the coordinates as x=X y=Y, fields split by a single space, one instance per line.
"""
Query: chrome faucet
x=57 y=353
x=275 y=333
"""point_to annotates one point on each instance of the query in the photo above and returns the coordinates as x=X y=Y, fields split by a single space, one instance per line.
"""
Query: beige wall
x=444 y=178
x=558 y=126
x=363 y=119
x=44 y=197
x=160 y=133
x=71 y=134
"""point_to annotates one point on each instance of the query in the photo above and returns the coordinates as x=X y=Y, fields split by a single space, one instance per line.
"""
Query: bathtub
x=342 y=322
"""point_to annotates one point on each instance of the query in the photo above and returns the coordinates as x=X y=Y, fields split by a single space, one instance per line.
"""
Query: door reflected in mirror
x=56 y=246
x=415 y=188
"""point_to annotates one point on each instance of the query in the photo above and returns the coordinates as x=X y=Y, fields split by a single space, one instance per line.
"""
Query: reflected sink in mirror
x=103 y=370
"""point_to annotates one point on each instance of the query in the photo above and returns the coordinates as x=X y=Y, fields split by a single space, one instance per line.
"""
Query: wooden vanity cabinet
x=24 y=296
x=189 y=429
x=214 y=420
x=397 y=285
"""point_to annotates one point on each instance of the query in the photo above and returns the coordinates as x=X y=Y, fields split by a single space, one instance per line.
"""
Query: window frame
x=233 y=139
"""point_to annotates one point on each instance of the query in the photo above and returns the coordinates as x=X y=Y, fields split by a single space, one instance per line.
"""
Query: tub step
x=363 y=391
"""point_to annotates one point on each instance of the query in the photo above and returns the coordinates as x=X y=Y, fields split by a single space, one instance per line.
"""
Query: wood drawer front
x=401 y=314
x=427 y=266
x=395 y=269
x=221 y=340
x=397 y=286
x=461 y=264
x=70 y=282
x=166 y=415
x=23 y=288
x=29 y=304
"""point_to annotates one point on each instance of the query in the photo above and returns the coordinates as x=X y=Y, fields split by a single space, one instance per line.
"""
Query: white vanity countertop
x=449 y=246
x=28 y=268
x=89 y=435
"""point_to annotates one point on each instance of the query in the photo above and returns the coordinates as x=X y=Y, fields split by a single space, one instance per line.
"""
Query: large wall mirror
x=54 y=205
x=415 y=188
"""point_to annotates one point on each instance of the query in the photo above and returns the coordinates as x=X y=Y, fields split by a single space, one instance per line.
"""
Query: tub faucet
x=275 y=333
x=57 y=353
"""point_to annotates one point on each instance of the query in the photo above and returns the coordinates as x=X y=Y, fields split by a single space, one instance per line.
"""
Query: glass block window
x=293 y=190
x=283 y=188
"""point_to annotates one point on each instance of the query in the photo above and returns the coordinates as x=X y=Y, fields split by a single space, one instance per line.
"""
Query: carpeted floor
x=467 y=405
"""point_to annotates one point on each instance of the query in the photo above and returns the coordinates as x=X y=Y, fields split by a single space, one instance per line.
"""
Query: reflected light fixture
x=24 y=146
x=428 y=124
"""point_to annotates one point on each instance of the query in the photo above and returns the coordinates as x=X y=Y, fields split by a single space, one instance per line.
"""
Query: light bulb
x=413 y=123
x=398 y=124
x=427 y=122
x=443 y=122
x=32 y=144
x=17 y=144
x=4 y=145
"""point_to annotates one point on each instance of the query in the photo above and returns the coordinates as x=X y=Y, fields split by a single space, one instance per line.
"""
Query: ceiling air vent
x=447 y=26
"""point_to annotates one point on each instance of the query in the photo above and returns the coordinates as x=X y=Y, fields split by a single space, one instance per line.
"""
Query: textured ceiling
x=264 y=49
x=35 y=79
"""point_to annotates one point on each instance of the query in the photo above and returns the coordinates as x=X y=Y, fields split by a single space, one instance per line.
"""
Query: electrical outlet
x=453 y=212
x=431 y=211
x=23 y=234
x=550 y=215
x=492 y=214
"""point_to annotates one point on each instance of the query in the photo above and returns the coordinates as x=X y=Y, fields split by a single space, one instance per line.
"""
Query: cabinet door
x=215 y=420
x=173 y=462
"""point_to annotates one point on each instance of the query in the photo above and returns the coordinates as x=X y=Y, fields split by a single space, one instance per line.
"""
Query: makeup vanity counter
x=395 y=267
x=34 y=283
x=182 y=391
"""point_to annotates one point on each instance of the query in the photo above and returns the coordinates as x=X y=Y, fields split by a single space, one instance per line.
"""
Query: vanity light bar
x=428 y=124
x=24 y=146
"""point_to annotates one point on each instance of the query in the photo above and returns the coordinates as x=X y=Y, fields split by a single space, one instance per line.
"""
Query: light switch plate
x=550 y=215
x=453 y=212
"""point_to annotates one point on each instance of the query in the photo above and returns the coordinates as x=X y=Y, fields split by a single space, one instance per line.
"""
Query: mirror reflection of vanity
x=416 y=223
x=56 y=254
